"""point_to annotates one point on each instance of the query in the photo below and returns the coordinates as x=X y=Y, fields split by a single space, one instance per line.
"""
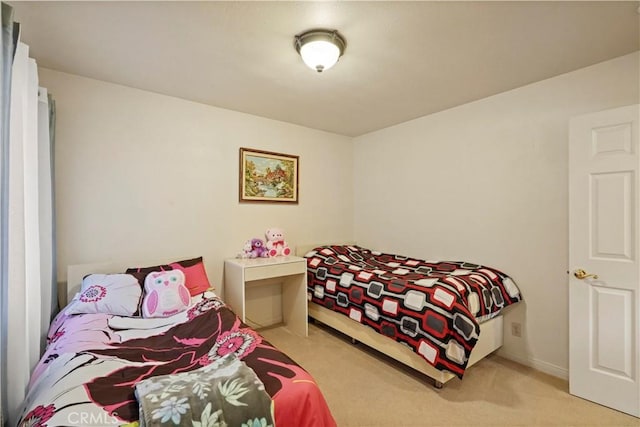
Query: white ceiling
x=403 y=59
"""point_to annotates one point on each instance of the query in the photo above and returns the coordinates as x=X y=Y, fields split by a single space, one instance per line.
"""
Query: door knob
x=581 y=274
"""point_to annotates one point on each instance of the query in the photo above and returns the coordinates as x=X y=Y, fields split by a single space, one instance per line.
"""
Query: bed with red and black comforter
x=433 y=307
x=89 y=371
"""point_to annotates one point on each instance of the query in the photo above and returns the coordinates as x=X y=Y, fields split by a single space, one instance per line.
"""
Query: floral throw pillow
x=117 y=294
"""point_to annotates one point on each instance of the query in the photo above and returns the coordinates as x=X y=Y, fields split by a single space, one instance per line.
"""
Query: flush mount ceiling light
x=320 y=49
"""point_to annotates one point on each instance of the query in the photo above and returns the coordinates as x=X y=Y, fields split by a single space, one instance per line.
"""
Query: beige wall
x=487 y=182
x=145 y=176
x=142 y=176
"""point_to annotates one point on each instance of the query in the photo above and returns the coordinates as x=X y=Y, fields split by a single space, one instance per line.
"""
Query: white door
x=603 y=241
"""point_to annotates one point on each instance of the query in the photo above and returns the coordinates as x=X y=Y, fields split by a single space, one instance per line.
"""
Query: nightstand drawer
x=274 y=270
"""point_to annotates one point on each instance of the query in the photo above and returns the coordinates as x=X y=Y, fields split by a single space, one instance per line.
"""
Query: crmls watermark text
x=87 y=419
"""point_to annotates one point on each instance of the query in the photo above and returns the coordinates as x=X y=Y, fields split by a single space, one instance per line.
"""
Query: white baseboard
x=539 y=365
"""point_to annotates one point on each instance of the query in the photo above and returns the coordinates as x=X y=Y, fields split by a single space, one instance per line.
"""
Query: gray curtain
x=48 y=285
x=54 y=260
x=27 y=260
x=7 y=39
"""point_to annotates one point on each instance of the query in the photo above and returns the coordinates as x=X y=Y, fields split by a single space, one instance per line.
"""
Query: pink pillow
x=195 y=276
x=165 y=294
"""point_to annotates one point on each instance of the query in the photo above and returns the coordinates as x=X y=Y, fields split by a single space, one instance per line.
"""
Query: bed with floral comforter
x=93 y=362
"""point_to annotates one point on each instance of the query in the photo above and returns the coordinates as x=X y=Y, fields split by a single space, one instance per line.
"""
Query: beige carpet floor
x=364 y=388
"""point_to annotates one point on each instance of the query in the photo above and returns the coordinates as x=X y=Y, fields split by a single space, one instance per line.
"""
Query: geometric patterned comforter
x=433 y=307
x=88 y=373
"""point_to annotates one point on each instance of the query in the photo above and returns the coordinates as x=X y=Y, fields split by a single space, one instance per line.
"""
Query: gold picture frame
x=269 y=177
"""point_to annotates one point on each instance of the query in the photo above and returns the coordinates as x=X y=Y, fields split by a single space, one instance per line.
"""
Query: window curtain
x=28 y=244
x=53 y=260
x=48 y=282
x=6 y=60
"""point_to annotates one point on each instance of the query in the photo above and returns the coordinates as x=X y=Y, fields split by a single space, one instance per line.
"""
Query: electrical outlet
x=516 y=329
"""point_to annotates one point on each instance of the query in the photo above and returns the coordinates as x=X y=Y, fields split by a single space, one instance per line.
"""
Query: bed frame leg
x=438 y=385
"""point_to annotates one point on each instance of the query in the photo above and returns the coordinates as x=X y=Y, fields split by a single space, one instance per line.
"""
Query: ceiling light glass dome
x=320 y=49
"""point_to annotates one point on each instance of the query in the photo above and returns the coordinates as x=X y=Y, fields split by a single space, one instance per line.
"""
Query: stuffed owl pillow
x=165 y=294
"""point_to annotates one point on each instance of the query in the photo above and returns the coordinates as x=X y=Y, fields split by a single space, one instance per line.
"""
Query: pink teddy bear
x=276 y=244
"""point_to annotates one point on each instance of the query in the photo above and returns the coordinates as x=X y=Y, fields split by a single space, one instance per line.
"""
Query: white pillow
x=117 y=294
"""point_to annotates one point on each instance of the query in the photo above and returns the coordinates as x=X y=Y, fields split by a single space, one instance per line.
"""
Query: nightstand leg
x=294 y=304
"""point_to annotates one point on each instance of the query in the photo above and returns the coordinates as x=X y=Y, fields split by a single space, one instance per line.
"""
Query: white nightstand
x=292 y=271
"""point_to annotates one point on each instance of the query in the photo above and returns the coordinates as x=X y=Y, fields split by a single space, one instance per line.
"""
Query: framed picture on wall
x=268 y=177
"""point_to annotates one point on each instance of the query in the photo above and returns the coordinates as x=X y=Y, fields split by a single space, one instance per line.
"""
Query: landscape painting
x=268 y=177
